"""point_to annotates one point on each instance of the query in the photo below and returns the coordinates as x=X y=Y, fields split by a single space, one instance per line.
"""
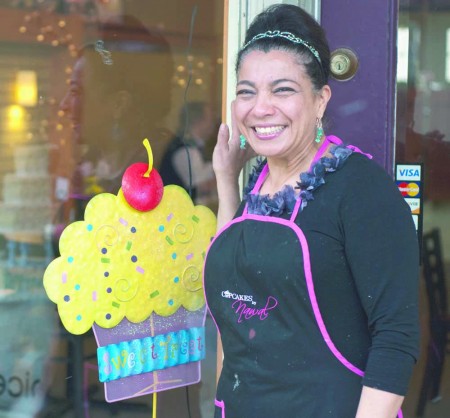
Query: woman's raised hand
x=228 y=161
x=228 y=157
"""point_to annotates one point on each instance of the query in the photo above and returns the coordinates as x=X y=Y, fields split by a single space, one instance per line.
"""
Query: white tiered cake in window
x=26 y=207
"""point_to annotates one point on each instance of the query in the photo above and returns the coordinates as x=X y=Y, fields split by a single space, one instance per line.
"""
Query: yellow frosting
x=120 y=262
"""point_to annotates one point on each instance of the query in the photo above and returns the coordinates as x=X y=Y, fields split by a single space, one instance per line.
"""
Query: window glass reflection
x=423 y=129
x=423 y=136
x=83 y=83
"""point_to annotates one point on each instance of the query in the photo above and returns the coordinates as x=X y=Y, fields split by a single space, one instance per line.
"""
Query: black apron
x=279 y=360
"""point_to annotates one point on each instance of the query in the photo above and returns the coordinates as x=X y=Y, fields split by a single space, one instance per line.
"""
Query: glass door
x=423 y=136
x=83 y=82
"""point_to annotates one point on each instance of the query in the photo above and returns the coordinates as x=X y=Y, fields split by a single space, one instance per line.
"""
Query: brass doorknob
x=344 y=64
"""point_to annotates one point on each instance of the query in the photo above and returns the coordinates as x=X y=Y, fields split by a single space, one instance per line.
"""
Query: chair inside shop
x=439 y=319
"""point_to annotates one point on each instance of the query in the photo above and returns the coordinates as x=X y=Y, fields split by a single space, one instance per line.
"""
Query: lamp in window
x=26 y=88
x=15 y=118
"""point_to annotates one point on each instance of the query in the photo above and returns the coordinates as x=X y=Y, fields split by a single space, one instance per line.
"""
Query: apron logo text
x=229 y=295
x=246 y=313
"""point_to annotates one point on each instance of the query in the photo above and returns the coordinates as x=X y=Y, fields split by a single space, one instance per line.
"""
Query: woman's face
x=276 y=106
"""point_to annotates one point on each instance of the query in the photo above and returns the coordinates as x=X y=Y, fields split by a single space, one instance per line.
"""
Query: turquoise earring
x=319 y=133
x=243 y=141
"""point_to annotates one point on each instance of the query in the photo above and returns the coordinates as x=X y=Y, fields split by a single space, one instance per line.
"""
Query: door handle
x=343 y=64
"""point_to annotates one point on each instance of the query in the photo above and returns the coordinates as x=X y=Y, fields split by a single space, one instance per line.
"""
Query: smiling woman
x=277 y=109
x=329 y=268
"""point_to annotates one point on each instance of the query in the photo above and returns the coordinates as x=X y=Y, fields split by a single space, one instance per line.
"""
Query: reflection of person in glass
x=430 y=148
x=119 y=93
x=185 y=161
x=313 y=277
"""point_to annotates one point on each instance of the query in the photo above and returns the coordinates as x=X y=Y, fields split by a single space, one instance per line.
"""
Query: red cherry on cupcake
x=142 y=186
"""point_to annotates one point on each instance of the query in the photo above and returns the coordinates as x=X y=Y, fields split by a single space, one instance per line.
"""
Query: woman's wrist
x=229 y=199
x=227 y=183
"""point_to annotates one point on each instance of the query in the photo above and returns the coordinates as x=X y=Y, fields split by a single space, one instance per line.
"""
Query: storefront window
x=423 y=137
x=423 y=100
x=83 y=82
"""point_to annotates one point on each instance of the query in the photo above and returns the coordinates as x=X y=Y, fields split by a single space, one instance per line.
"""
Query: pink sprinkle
x=170 y=217
x=140 y=270
x=123 y=221
x=252 y=334
x=94 y=296
x=189 y=256
x=64 y=277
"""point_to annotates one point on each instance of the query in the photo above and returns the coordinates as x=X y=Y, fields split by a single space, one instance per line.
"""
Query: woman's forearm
x=229 y=200
x=228 y=160
x=375 y=403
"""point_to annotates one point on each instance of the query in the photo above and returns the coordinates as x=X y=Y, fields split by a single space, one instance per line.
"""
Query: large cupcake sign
x=132 y=270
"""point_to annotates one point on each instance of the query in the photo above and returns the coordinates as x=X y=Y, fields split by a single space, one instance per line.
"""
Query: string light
x=197 y=68
x=49 y=28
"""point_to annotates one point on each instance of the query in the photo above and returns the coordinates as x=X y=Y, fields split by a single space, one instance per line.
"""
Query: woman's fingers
x=223 y=135
x=228 y=157
x=234 y=129
x=221 y=150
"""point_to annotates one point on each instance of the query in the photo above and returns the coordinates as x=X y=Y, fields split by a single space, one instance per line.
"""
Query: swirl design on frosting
x=124 y=290
x=183 y=233
x=106 y=235
x=191 y=279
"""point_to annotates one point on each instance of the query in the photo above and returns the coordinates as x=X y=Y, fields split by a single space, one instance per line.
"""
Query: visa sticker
x=409 y=172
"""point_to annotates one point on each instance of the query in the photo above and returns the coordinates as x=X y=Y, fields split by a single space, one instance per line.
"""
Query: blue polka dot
x=174 y=256
x=70 y=259
x=89 y=227
x=176 y=279
x=161 y=228
x=108 y=316
x=66 y=298
x=109 y=290
x=104 y=250
x=79 y=317
x=170 y=302
x=134 y=259
x=77 y=287
x=133 y=230
x=106 y=273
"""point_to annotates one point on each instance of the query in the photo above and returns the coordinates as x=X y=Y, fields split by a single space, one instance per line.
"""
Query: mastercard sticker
x=409 y=189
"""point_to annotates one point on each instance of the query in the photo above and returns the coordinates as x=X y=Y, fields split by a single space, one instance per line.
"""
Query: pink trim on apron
x=221 y=405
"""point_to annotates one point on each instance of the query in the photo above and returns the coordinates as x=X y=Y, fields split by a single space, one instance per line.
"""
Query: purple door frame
x=362 y=110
